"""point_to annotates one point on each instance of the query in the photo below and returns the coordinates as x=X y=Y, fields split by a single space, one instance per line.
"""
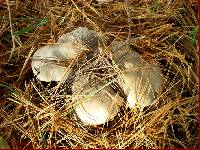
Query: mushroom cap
x=140 y=81
x=45 y=61
x=48 y=62
x=138 y=89
x=82 y=36
x=124 y=57
x=100 y=107
x=100 y=103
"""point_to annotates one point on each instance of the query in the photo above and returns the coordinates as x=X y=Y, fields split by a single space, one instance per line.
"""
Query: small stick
x=11 y=29
x=129 y=27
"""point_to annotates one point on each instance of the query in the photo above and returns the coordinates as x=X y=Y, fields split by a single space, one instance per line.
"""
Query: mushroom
x=141 y=86
x=49 y=62
x=99 y=108
x=100 y=103
x=139 y=80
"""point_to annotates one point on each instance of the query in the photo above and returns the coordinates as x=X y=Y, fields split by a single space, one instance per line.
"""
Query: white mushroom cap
x=124 y=57
x=68 y=47
x=142 y=86
x=82 y=36
x=140 y=81
x=100 y=107
x=45 y=61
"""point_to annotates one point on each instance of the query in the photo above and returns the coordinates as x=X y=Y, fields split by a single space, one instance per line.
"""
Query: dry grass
x=36 y=114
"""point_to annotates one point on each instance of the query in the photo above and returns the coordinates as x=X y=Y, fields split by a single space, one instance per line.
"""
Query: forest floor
x=161 y=31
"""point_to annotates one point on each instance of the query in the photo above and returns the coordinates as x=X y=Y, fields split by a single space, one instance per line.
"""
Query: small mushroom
x=99 y=104
x=141 y=86
x=99 y=108
x=140 y=81
x=49 y=63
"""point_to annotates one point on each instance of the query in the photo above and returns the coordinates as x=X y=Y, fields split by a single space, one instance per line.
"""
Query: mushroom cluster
x=47 y=62
x=99 y=102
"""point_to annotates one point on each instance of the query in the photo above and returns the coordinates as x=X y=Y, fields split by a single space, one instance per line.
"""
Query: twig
x=128 y=20
x=11 y=29
x=129 y=27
